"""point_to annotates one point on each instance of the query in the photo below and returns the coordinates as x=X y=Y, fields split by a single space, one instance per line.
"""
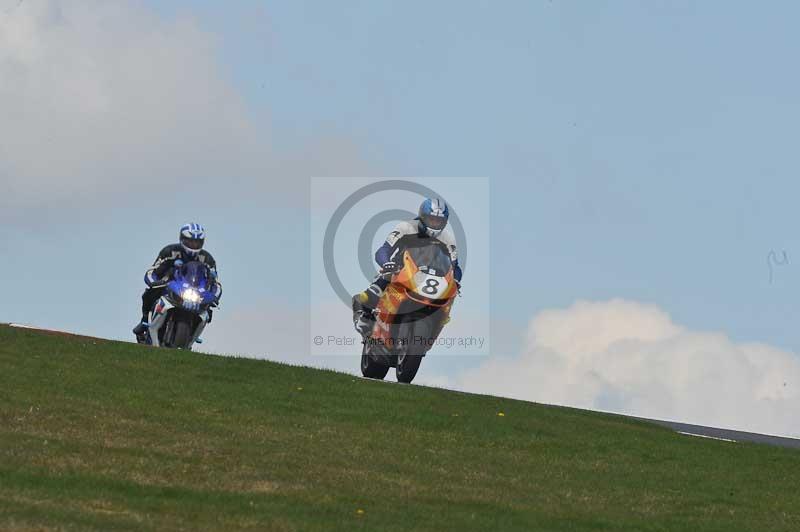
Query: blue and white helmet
x=433 y=216
x=192 y=238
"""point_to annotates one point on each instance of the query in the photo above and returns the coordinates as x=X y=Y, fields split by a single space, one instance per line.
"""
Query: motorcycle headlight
x=191 y=295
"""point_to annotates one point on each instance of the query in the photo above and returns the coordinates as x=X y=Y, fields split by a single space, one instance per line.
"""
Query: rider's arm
x=384 y=254
x=150 y=278
x=457 y=271
x=160 y=267
x=448 y=239
x=208 y=259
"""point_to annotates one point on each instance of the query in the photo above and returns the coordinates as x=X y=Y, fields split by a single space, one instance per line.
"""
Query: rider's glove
x=458 y=286
x=390 y=267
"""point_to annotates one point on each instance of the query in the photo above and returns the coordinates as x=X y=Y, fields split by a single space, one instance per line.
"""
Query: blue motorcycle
x=181 y=314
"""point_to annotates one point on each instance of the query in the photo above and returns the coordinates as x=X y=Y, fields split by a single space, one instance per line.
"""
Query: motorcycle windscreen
x=432 y=259
x=196 y=274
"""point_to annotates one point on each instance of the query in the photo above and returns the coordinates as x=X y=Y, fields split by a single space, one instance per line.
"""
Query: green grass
x=100 y=435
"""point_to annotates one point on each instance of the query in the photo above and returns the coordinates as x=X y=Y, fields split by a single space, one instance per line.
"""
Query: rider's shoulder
x=170 y=250
x=207 y=257
x=400 y=230
x=447 y=237
x=408 y=227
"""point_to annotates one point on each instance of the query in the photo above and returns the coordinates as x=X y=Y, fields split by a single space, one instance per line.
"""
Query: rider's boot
x=363 y=321
x=141 y=330
x=364 y=309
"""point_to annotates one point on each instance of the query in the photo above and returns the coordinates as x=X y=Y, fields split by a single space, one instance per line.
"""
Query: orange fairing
x=405 y=278
x=406 y=275
x=402 y=288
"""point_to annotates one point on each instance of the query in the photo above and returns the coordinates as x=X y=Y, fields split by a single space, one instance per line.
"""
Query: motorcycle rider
x=431 y=223
x=189 y=248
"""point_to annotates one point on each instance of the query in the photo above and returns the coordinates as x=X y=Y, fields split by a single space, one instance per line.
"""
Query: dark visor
x=434 y=222
x=192 y=243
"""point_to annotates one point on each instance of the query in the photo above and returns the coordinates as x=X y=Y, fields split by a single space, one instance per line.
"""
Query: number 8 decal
x=431 y=286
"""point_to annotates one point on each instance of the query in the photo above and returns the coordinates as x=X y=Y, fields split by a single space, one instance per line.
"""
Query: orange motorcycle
x=411 y=312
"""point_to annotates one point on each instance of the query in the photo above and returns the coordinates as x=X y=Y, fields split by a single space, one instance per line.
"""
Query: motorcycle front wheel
x=410 y=358
x=407 y=365
x=182 y=339
x=370 y=368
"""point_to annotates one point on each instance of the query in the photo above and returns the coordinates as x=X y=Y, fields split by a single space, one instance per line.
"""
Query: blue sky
x=642 y=151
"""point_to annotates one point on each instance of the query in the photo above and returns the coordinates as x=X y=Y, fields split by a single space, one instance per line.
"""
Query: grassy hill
x=101 y=435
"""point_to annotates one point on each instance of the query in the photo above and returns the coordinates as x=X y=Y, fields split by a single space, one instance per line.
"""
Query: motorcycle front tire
x=182 y=338
x=370 y=368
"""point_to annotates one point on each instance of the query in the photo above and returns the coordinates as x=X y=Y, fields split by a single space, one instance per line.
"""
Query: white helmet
x=192 y=238
x=433 y=216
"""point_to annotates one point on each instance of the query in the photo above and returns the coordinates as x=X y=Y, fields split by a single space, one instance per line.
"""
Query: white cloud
x=107 y=102
x=105 y=95
x=630 y=358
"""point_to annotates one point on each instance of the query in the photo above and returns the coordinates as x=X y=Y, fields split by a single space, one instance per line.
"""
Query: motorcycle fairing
x=408 y=290
x=158 y=317
x=192 y=276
